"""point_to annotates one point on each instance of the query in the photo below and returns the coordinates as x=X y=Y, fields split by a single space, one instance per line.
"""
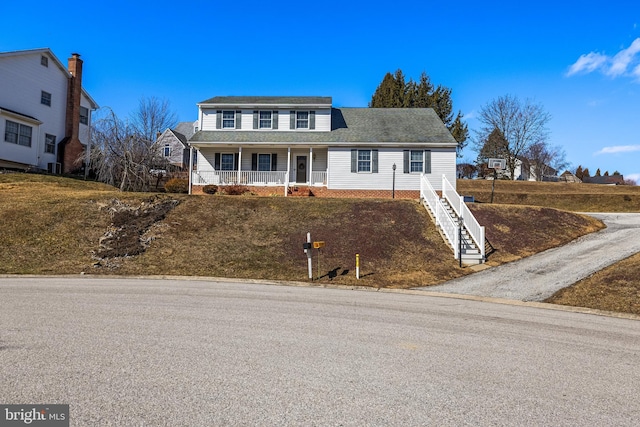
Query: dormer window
x=229 y=119
x=302 y=120
x=44 y=61
x=265 y=120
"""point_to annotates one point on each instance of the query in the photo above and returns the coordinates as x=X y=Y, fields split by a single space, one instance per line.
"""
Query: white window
x=265 y=120
x=302 y=120
x=167 y=150
x=226 y=163
x=416 y=161
x=84 y=115
x=44 y=61
x=49 y=143
x=264 y=162
x=17 y=133
x=228 y=119
x=45 y=98
x=364 y=160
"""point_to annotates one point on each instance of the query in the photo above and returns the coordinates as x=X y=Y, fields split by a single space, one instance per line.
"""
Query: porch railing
x=319 y=178
x=243 y=177
x=476 y=231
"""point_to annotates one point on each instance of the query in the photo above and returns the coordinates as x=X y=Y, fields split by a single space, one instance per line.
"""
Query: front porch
x=261 y=165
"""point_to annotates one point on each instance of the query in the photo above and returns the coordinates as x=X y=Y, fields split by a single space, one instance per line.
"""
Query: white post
x=310 y=166
x=190 y=167
x=309 y=254
x=239 y=163
x=286 y=180
x=358 y=266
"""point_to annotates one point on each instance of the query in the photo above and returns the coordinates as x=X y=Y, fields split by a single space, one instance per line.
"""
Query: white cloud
x=587 y=63
x=625 y=62
x=619 y=149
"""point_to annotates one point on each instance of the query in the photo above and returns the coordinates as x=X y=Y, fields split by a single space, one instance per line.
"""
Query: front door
x=301 y=169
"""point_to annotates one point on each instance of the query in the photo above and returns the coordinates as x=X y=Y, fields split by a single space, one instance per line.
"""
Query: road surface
x=126 y=352
x=537 y=277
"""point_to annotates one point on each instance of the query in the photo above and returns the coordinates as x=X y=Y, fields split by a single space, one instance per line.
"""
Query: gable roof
x=56 y=61
x=267 y=101
x=186 y=128
x=352 y=126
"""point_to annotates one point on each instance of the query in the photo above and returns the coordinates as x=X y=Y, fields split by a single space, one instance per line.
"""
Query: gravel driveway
x=537 y=277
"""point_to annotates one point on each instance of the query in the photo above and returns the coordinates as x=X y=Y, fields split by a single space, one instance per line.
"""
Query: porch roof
x=350 y=126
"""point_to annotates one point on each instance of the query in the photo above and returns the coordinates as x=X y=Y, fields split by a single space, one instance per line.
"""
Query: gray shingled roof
x=269 y=100
x=185 y=128
x=352 y=126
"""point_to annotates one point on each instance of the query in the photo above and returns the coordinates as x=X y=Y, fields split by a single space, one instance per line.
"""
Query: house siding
x=322 y=119
x=341 y=177
x=22 y=80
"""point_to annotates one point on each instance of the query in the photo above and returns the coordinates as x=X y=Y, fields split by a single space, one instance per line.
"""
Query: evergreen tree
x=606 y=173
x=579 y=173
x=598 y=172
x=585 y=173
x=395 y=92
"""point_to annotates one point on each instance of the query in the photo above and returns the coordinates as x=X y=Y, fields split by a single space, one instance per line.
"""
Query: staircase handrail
x=476 y=231
x=442 y=218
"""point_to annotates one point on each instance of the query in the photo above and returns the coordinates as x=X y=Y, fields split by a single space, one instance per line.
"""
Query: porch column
x=310 y=166
x=239 y=163
x=286 y=178
x=190 y=168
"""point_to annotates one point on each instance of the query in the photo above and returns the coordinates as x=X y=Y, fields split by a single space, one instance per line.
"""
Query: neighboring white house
x=305 y=141
x=45 y=115
x=174 y=146
x=527 y=170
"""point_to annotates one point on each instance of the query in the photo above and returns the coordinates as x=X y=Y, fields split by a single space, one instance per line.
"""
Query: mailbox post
x=307 y=250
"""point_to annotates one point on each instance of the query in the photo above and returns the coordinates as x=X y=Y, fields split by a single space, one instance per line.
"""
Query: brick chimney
x=72 y=149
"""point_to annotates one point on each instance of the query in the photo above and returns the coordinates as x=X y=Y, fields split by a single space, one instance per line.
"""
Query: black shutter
x=354 y=161
x=218 y=119
x=292 y=120
x=254 y=161
x=274 y=118
x=216 y=161
x=407 y=166
x=235 y=161
x=255 y=119
x=374 y=161
x=274 y=162
x=427 y=161
x=312 y=119
x=238 y=119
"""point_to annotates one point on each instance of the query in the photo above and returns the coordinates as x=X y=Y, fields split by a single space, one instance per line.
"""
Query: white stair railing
x=476 y=231
x=442 y=218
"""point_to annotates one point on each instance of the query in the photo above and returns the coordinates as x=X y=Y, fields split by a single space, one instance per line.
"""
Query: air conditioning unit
x=54 y=168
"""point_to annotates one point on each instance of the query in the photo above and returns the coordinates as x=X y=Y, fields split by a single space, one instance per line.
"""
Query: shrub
x=210 y=189
x=177 y=185
x=236 y=190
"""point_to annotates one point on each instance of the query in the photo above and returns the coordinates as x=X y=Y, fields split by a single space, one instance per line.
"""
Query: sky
x=579 y=60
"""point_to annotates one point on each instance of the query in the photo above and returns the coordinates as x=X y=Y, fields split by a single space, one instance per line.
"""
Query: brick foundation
x=300 y=191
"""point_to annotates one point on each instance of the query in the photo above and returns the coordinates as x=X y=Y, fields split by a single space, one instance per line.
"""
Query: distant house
x=568 y=176
x=604 y=180
x=528 y=170
x=45 y=114
x=288 y=142
x=174 y=144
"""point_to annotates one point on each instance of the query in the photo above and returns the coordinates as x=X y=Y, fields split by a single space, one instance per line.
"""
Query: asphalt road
x=537 y=277
x=147 y=352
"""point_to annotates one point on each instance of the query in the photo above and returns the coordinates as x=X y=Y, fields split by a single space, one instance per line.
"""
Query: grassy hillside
x=54 y=225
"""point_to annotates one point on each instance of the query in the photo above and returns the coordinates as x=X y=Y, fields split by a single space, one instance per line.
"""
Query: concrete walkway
x=537 y=277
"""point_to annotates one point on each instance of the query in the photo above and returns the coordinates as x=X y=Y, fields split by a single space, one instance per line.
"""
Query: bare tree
x=120 y=156
x=153 y=116
x=522 y=123
x=545 y=160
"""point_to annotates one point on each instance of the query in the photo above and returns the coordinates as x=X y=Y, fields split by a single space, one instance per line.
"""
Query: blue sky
x=579 y=59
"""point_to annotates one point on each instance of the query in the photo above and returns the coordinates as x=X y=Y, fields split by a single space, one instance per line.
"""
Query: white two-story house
x=45 y=115
x=289 y=142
